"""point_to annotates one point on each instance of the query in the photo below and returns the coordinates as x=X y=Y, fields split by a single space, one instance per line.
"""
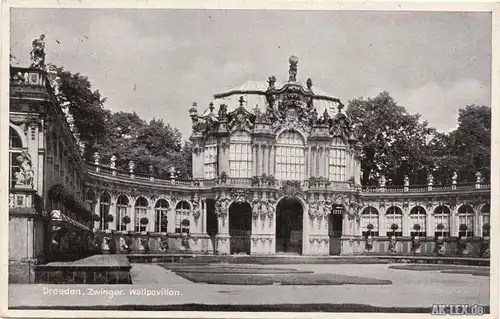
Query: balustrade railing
x=249 y=182
x=424 y=188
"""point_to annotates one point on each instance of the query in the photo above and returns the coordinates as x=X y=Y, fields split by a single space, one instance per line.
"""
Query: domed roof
x=253 y=93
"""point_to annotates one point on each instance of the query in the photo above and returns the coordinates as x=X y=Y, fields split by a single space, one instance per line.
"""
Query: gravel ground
x=409 y=289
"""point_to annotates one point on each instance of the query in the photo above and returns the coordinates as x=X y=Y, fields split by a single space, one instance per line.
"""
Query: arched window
x=442 y=221
x=485 y=220
x=15 y=149
x=161 y=220
x=14 y=139
x=418 y=217
x=394 y=216
x=290 y=157
x=185 y=226
x=121 y=211
x=337 y=161
x=465 y=221
x=141 y=208
x=369 y=216
x=104 y=210
x=210 y=158
x=240 y=154
x=90 y=201
x=182 y=210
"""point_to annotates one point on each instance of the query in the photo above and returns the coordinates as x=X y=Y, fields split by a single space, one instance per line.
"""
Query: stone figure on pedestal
x=38 y=52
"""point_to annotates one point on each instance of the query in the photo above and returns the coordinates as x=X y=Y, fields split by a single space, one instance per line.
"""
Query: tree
x=465 y=150
x=123 y=134
x=472 y=142
x=393 y=141
x=86 y=106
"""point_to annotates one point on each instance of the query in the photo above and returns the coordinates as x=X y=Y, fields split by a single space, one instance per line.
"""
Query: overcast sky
x=431 y=63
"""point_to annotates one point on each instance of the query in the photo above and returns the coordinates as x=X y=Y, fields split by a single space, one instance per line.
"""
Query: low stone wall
x=98 y=269
x=155 y=243
x=474 y=247
x=27 y=243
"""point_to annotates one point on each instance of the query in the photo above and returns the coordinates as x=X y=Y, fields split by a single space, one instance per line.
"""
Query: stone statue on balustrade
x=293 y=60
x=21 y=78
x=382 y=181
x=38 y=52
x=430 y=179
x=25 y=174
x=113 y=162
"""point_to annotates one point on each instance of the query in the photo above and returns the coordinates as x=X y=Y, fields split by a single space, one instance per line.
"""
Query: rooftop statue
x=293 y=68
x=38 y=52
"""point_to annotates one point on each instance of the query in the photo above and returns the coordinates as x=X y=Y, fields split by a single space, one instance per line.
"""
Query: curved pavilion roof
x=253 y=93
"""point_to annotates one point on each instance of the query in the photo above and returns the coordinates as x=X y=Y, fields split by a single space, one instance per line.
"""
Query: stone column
x=382 y=220
x=224 y=157
x=454 y=222
x=320 y=161
x=97 y=210
x=477 y=221
x=203 y=217
x=254 y=160
x=223 y=237
x=113 y=211
x=170 y=217
x=272 y=160
x=406 y=222
x=429 y=223
x=308 y=162
x=263 y=161
x=257 y=160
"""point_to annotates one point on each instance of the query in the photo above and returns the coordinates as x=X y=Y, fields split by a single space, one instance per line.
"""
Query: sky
x=157 y=62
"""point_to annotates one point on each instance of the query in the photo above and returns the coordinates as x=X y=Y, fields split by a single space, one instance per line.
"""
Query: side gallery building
x=275 y=170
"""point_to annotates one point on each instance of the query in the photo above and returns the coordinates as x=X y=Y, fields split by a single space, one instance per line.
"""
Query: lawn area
x=448 y=269
x=282 y=279
x=229 y=269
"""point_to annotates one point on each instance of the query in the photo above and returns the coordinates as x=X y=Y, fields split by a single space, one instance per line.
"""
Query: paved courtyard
x=408 y=289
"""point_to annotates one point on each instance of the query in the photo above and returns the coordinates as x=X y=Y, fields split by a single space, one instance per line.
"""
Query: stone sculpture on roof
x=289 y=105
x=38 y=52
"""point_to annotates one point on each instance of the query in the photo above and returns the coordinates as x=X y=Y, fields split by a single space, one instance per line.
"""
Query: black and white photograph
x=261 y=162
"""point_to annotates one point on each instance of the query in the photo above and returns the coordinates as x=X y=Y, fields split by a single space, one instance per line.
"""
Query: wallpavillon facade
x=275 y=170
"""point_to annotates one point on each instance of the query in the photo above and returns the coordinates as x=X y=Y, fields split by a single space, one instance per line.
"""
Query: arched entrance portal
x=289 y=214
x=335 y=221
x=240 y=227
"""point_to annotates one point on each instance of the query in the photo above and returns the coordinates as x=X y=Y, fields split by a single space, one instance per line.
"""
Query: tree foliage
x=393 y=141
x=396 y=143
x=123 y=134
x=87 y=109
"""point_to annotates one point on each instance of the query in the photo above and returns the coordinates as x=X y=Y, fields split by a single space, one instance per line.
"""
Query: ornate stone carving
x=240 y=195
x=25 y=174
x=222 y=112
x=38 y=52
x=196 y=211
x=222 y=207
x=240 y=119
x=291 y=189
